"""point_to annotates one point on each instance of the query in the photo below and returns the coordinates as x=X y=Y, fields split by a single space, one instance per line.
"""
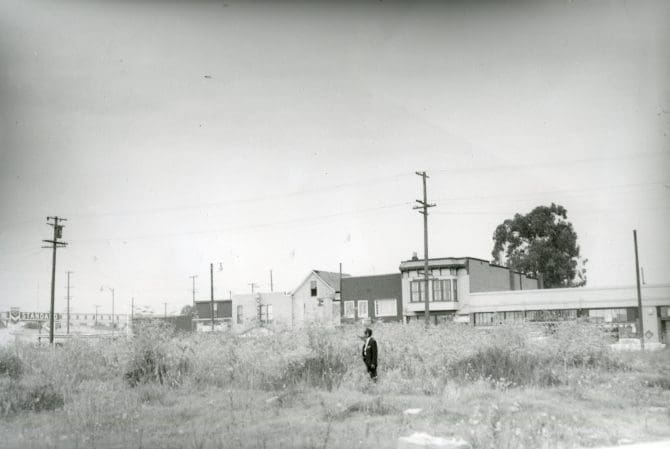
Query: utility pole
x=68 y=301
x=132 y=313
x=639 y=292
x=165 y=310
x=58 y=234
x=253 y=285
x=194 y=310
x=271 y=284
x=193 y=288
x=211 y=292
x=423 y=209
x=96 y=314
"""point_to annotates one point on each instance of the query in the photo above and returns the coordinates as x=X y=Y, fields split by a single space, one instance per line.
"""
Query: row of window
x=442 y=290
x=93 y=317
x=619 y=315
x=359 y=309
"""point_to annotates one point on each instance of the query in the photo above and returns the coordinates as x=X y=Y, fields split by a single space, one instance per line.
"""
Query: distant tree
x=541 y=243
x=186 y=310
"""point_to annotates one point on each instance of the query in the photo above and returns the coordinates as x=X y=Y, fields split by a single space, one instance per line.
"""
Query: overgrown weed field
x=508 y=387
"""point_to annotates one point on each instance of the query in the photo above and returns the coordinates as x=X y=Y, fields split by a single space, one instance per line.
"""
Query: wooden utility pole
x=639 y=292
x=165 y=310
x=193 y=276
x=132 y=313
x=211 y=292
x=253 y=285
x=58 y=234
x=271 y=283
x=68 y=302
x=423 y=209
x=96 y=314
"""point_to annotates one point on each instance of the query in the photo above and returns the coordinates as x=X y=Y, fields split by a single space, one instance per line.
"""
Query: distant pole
x=113 y=314
x=639 y=291
x=96 y=314
x=132 y=312
x=340 y=281
x=271 y=283
x=58 y=233
x=193 y=287
x=253 y=285
x=211 y=291
x=68 y=302
x=423 y=209
x=165 y=310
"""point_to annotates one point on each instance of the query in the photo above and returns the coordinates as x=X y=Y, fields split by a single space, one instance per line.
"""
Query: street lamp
x=111 y=290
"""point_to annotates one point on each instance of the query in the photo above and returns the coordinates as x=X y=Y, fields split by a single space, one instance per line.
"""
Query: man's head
x=368 y=332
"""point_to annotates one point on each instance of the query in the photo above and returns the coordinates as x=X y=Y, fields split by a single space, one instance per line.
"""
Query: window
x=454 y=284
x=385 y=307
x=312 y=288
x=268 y=313
x=239 y=314
x=609 y=315
x=442 y=290
x=362 y=309
x=417 y=290
x=349 y=311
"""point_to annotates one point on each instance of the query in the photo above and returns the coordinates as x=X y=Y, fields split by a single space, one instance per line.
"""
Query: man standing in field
x=370 y=354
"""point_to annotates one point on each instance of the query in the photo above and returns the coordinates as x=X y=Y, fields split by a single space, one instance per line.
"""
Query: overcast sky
x=260 y=135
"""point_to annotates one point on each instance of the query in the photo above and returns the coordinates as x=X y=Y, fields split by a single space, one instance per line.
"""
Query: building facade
x=450 y=281
x=615 y=308
x=223 y=315
x=272 y=308
x=317 y=298
x=366 y=299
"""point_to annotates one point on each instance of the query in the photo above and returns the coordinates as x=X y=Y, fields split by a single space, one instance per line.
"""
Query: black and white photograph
x=239 y=224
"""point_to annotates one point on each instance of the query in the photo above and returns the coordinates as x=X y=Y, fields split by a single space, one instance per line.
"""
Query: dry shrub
x=10 y=363
x=28 y=395
x=156 y=356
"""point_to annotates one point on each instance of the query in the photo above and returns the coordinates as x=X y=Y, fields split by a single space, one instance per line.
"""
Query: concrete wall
x=485 y=277
x=283 y=309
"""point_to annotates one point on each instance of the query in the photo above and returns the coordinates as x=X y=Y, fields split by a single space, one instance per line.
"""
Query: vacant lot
x=511 y=387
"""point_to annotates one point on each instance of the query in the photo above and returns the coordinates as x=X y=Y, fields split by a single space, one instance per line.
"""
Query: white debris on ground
x=425 y=441
x=633 y=344
x=412 y=411
x=665 y=444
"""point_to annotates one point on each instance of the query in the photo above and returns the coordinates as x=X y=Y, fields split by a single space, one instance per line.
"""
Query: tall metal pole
x=424 y=206
x=211 y=292
x=639 y=292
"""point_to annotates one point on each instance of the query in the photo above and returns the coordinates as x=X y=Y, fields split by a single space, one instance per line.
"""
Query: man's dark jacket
x=370 y=353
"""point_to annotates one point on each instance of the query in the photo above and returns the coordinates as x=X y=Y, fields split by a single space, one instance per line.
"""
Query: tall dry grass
x=412 y=359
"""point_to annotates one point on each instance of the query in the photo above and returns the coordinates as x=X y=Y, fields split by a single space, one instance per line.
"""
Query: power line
x=248 y=227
